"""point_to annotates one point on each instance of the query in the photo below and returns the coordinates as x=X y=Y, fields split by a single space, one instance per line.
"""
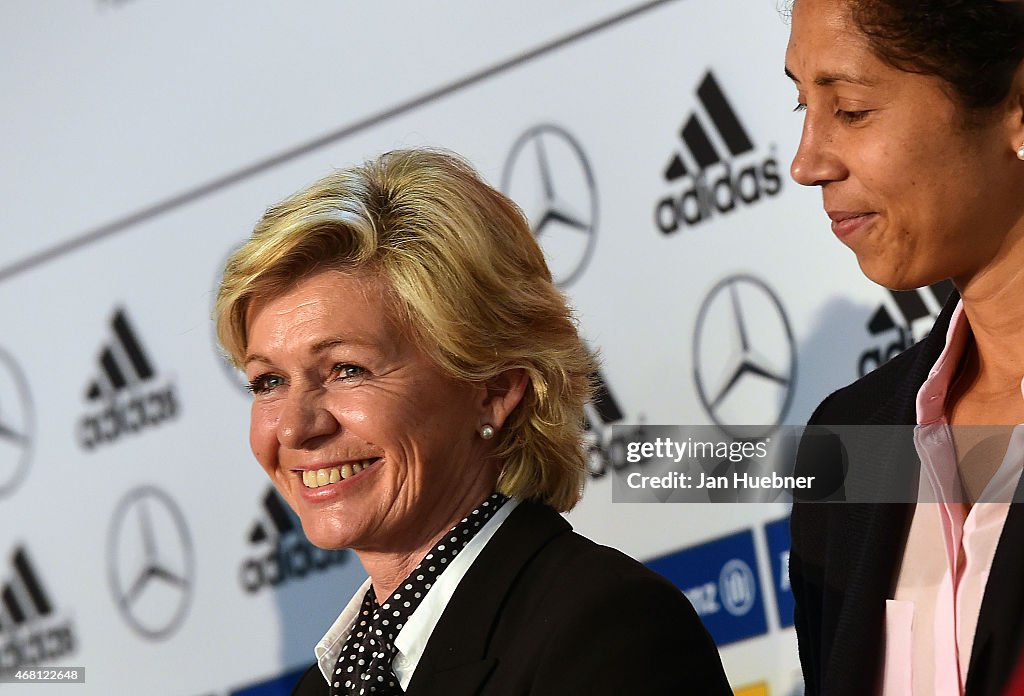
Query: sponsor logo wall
x=16 y=425
x=32 y=630
x=712 y=186
x=647 y=144
x=548 y=174
x=150 y=562
x=751 y=381
x=128 y=395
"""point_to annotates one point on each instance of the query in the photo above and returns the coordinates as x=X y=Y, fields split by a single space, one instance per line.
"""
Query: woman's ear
x=1016 y=119
x=503 y=393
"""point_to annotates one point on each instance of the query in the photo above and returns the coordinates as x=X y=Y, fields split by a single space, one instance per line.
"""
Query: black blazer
x=845 y=557
x=545 y=611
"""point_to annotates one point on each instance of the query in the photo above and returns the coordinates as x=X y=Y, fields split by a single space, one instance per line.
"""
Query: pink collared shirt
x=930 y=622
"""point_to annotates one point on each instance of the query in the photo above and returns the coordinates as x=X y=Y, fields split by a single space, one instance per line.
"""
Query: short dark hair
x=974 y=46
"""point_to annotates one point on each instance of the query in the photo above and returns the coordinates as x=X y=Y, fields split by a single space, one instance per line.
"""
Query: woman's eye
x=800 y=107
x=265 y=383
x=347 y=372
x=852 y=116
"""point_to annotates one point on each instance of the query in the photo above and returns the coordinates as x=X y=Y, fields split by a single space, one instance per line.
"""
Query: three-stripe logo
x=598 y=415
x=23 y=598
x=122 y=363
x=291 y=556
x=605 y=444
x=910 y=306
x=695 y=136
x=30 y=631
x=278 y=519
x=127 y=394
x=712 y=137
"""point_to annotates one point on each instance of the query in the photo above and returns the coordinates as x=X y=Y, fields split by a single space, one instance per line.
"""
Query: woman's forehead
x=343 y=302
x=824 y=36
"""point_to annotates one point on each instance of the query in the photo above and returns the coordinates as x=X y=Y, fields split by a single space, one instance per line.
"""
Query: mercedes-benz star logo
x=549 y=176
x=744 y=357
x=150 y=562
x=16 y=425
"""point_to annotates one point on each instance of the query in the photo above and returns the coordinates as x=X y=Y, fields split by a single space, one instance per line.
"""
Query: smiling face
x=914 y=192
x=368 y=441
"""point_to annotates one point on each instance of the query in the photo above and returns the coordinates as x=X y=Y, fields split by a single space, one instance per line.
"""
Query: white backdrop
x=142 y=139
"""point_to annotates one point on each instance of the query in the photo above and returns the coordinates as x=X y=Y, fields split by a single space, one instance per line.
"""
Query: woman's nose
x=817 y=161
x=304 y=419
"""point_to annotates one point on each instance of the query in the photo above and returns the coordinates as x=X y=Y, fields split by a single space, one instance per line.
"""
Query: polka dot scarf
x=364 y=666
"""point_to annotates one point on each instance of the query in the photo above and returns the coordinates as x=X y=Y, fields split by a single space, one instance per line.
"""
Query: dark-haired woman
x=914 y=130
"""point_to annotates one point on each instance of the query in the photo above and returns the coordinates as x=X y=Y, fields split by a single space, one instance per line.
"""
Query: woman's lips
x=846 y=223
x=322 y=482
x=314 y=478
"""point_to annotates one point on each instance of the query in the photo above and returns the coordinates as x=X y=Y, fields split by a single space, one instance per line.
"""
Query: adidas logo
x=910 y=306
x=605 y=447
x=279 y=519
x=28 y=634
x=126 y=398
x=23 y=598
x=711 y=137
x=291 y=556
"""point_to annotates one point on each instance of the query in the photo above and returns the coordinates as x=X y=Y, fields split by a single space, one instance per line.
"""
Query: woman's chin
x=894 y=277
x=327 y=536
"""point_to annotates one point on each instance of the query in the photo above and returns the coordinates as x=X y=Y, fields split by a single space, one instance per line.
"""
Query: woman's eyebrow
x=828 y=79
x=332 y=341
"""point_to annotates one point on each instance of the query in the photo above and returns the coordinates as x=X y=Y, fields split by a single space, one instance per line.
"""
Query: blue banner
x=778 y=550
x=721 y=580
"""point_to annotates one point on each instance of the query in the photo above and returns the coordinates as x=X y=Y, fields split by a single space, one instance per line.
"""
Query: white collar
x=412 y=639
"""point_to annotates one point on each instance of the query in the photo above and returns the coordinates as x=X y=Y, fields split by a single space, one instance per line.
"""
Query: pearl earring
x=487 y=431
x=1020 y=152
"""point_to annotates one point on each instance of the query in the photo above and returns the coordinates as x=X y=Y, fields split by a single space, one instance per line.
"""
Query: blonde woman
x=418 y=389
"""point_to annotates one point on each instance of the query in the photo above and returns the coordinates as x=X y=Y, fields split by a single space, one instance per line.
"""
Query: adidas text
x=874 y=358
x=701 y=199
x=128 y=413
x=293 y=558
x=602 y=455
x=35 y=646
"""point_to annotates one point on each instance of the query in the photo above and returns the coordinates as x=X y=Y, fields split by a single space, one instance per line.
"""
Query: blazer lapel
x=998 y=636
x=887 y=460
x=456 y=660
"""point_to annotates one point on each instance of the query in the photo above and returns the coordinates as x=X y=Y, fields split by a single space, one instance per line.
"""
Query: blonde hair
x=467 y=280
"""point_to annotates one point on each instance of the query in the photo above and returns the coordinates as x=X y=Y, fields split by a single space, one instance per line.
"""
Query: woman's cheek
x=262 y=438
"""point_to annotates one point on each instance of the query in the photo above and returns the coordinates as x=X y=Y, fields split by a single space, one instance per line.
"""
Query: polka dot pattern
x=364 y=665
